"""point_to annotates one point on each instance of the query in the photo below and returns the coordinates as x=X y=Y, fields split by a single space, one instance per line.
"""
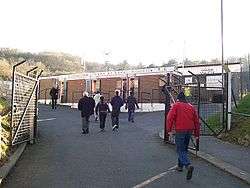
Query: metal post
x=241 y=80
x=167 y=105
x=45 y=96
x=226 y=89
x=222 y=43
x=36 y=107
x=229 y=99
x=222 y=62
x=31 y=70
x=199 y=91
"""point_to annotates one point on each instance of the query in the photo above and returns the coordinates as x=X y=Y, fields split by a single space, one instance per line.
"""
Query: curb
x=238 y=173
x=5 y=169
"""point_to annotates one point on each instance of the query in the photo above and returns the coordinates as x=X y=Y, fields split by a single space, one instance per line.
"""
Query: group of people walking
x=97 y=106
x=182 y=119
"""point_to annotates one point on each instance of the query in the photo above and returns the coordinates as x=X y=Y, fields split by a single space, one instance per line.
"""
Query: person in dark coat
x=102 y=109
x=54 y=96
x=130 y=105
x=86 y=107
x=92 y=103
x=116 y=103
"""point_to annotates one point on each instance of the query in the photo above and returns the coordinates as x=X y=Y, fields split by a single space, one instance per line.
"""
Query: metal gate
x=208 y=100
x=24 y=105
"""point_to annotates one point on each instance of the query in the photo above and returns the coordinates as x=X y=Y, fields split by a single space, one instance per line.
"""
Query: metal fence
x=24 y=106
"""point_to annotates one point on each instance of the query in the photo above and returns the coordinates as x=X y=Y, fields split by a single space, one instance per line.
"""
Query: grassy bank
x=240 y=132
x=5 y=130
x=240 y=127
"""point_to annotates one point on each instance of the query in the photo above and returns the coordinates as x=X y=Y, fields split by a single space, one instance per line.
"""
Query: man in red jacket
x=183 y=118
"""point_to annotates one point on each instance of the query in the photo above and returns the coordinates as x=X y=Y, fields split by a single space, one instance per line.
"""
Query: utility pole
x=222 y=62
x=222 y=43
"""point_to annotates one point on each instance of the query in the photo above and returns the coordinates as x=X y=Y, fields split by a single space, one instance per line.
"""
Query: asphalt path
x=63 y=157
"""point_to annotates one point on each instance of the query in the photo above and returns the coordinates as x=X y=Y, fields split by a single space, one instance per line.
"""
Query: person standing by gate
x=54 y=96
x=116 y=103
x=130 y=105
x=102 y=109
x=97 y=100
x=86 y=107
x=184 y=116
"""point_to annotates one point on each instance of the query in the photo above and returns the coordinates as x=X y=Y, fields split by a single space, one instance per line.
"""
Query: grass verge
x=240 y=127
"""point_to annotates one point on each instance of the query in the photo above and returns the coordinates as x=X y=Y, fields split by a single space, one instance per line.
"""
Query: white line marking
x=50 y=119
x=143 y=184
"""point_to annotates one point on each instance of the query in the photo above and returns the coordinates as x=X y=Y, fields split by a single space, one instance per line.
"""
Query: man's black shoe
x=190 y=172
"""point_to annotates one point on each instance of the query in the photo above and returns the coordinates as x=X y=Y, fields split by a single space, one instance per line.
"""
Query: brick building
x=146 y=84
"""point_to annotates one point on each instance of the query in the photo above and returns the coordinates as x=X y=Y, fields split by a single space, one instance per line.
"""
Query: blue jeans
x=182 y=142
x=131 y=114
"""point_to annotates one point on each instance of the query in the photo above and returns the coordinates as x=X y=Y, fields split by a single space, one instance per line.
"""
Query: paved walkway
x=235 y=155
x=63 y=157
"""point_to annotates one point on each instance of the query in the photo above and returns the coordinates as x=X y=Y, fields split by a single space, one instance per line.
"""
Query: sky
x=146 y=31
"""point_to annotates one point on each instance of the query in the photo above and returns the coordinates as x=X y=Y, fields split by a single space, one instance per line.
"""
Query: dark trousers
x=54 y=103
x=182 y=141
x=85 y=124
x=102 y=118
x=131 y=114
x=115 y=119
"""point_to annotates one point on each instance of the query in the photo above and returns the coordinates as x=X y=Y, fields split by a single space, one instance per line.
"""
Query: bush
x=5 y=124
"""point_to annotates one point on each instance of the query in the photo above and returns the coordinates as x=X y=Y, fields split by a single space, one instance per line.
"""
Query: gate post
x=229 y=99
x=167 y=105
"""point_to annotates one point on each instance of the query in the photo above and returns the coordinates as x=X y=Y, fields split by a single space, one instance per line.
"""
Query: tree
x=123 y=65
x=5 y=71
x=204 y=62
x=151 y=66
x=140 y=66
x=171 y=62
x=188 y=62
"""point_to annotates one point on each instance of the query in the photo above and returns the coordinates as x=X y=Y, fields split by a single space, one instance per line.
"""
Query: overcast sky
x=147 y=31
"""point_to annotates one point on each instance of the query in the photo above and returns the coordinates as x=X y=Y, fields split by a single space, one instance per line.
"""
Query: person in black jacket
x=130 y=105
x=54 y=96
x=92 y=103
x=86 y=107
x=102 y=108
x=116 y=103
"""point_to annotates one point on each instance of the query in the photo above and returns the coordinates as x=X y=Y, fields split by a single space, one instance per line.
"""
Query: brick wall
x=44 y=87
x=108 y=86
x=75 y=88
x=149 y=89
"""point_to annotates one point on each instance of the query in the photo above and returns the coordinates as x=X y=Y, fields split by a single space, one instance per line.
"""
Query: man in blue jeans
x=184 y=116
x=130 y=105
